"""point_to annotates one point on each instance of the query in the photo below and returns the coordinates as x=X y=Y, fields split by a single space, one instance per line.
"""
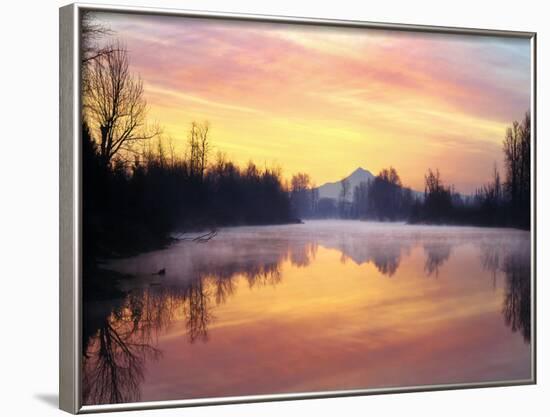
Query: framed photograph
x=262 y=208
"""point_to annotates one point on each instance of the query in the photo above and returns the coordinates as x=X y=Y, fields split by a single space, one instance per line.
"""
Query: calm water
x=326 y=305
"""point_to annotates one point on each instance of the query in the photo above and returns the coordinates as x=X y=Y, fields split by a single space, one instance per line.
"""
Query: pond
x=320 y=306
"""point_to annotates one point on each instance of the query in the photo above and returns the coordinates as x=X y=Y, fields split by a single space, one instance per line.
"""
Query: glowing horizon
x=326 y=100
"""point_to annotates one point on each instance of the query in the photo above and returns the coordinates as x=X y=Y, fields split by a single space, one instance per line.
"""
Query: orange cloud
x=325 y=100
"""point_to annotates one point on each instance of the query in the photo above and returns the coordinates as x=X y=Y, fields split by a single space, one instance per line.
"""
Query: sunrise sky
x=327 y=100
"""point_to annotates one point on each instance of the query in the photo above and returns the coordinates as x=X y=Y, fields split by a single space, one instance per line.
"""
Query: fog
x=324 y=305
x=380 y=243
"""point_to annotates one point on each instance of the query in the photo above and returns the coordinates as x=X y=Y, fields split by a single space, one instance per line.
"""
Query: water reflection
x=491 y=259
x=515 y=264
x=437 y=253
x=517 y=302
x=120 y=336
x=382 y=253
x=118 y=346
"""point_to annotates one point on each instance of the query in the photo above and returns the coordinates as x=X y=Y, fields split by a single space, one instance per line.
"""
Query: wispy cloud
x=388 y=97
x=189 y=98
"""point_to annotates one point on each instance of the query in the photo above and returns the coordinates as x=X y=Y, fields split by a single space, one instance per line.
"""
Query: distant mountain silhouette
x=332 y=189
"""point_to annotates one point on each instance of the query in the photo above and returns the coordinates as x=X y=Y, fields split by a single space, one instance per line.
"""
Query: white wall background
x=29 y=207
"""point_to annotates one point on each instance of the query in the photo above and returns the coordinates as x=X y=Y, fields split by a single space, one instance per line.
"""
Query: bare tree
x=314 y=197
x=361 y=199
x=517 y=158
x=199 y=148
x=345 y=189
x=300 y=194
x=204 y=147
x=193 y=150
x=91 y=32
x=438 y=202
x=114 y=104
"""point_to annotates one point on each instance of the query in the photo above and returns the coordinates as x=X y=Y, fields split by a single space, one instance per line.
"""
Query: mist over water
x=325 y=305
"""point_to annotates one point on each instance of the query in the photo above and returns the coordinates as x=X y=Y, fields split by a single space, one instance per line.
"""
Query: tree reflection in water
x=120 y=335
x=437 y=253
x=384 y=254
x=491 y=258
x=387 y=259
x=302 y=255
x=515 y=264
x=517 y=299
x=115 y=353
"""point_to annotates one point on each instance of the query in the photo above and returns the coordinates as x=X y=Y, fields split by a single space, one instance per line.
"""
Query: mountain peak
x=359 y=175
x=332 y=189
x=361 y=171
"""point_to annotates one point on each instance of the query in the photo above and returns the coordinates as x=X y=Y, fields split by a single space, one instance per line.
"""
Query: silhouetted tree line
x=303 y=195
x=383 y=198
x=134 y=206
x=497 y=203
x=135 y=191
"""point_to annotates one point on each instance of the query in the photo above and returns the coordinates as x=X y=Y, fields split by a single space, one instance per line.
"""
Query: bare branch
x=114 y=103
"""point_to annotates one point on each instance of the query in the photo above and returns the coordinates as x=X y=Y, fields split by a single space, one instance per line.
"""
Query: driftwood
x=205 y=237
x=199 y=239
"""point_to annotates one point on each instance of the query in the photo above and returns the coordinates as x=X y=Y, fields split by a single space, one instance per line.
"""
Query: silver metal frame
x=70 y=291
